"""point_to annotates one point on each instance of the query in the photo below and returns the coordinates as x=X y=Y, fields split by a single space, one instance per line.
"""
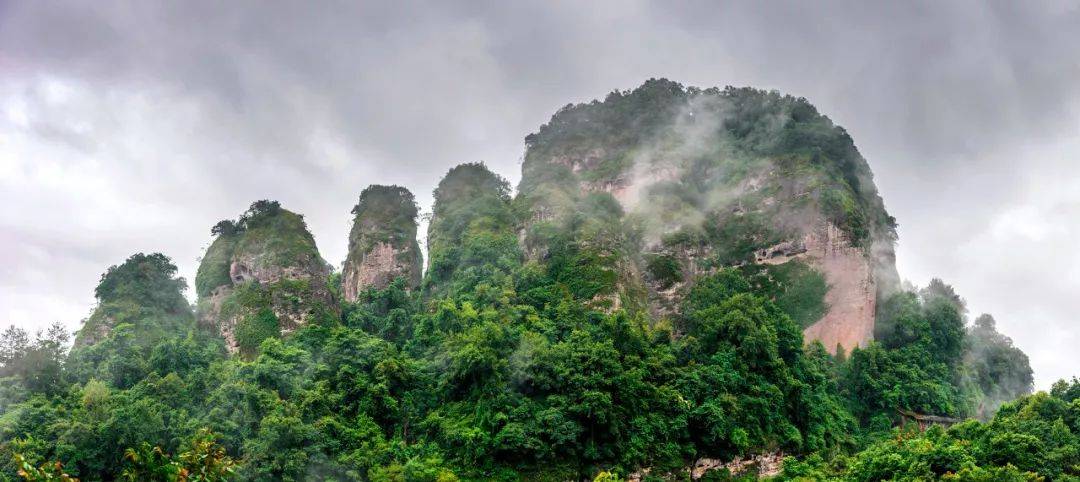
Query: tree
x=14 y=343
x=1001 y=371
x=53 y=471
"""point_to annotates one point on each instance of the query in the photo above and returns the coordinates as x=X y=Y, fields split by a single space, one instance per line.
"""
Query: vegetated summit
x=688 y=283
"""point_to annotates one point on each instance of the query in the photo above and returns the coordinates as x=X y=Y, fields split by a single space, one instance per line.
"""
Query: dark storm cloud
x=128 y=126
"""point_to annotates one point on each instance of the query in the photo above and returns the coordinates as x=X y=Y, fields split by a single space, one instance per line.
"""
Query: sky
x=132 y=127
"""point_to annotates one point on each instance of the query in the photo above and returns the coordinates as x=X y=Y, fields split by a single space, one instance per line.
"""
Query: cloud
x=128 y=127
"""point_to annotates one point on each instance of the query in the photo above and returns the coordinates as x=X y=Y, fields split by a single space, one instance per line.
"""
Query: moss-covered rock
x=214 y=268
x=382 y=242
x=143 y=292
x=471 y=236
x=264 y=266
x=706 y=178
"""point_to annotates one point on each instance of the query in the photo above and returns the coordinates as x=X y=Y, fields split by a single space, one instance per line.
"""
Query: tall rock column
x=382 y=242
x=471 y=236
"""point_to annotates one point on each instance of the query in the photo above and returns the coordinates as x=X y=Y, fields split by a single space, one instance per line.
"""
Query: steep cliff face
x=849 y=272
x=691 y=181
x=382 y=242
x=261 y=277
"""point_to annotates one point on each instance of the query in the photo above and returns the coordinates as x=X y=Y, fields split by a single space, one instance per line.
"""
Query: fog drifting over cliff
x=128 y=128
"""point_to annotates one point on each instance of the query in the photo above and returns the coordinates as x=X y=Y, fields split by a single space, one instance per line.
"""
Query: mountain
x=471 y=237
x=666 y=184
x=262 y=277
x=382 y=242
x=144 y=294
x=687 y=283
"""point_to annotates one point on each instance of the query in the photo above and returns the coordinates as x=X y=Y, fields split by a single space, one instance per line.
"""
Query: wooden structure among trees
x=925 y=421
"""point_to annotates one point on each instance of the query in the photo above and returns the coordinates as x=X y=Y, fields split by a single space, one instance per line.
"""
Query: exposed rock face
x=91 y=333
x=292 y=306
x=247 y=267
x=210 y=315
x=852 y=295
x=266 y=264
x=761 y=465
x=382 y=264
x=692 y=263
x=625 y=186
x=382 y=243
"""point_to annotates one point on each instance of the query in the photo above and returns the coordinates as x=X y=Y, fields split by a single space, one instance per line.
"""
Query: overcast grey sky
x=128 y=127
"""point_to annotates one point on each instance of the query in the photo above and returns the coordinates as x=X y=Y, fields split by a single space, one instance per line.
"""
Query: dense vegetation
x=471 y=237
x=481 y=386
x=1036 y=437
x=642 y=192
x=534 y=359
x=519 y=379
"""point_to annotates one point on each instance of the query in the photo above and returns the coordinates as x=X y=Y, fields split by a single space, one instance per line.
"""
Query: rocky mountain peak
x=697 y=180
x=382 y=242
x=262 y=276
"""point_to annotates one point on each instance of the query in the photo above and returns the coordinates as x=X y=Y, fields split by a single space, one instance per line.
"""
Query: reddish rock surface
x=378 y=268
x=852 y=295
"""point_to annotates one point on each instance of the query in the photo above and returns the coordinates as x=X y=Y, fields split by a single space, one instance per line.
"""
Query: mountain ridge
x=687 y=281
